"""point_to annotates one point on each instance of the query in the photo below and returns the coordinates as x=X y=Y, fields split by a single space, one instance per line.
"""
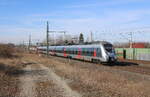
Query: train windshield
x=108 y=47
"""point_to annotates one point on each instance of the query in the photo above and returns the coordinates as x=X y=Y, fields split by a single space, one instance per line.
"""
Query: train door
x=65 y=55
x=95 y=53
x=79 y=52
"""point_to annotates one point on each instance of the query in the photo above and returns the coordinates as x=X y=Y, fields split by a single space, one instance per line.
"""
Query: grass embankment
x=9 y=64
x=6 y=51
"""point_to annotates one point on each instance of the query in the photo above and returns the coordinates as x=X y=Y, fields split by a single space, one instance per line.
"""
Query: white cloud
x=75 y=21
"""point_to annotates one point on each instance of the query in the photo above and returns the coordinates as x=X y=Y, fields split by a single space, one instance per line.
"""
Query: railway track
x=134 y=68
x=124 y=66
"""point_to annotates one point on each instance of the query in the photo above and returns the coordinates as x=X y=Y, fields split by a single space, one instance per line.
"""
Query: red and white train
x=102 y=52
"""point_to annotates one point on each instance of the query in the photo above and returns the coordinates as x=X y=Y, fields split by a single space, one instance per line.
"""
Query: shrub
x=6 y=50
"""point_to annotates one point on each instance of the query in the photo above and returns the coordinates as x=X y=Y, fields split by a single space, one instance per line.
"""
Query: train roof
x=88 y=45
x=79 y=46
x=83 y=45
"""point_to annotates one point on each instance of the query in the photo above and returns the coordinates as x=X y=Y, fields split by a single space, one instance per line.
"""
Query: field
x=31 y=75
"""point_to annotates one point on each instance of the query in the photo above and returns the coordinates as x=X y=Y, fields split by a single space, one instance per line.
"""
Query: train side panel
x=83 y=52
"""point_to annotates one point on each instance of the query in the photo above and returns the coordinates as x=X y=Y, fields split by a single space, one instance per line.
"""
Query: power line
x=47 y=36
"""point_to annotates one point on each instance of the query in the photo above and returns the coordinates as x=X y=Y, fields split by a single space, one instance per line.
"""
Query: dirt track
x=33 y=75
x=58 y=77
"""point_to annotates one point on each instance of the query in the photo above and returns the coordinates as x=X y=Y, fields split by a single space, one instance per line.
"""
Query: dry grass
x=10 y=51
x=93 y=80
x=104 y=82
x=96 y=82
x=8 y=81
x=6 y=51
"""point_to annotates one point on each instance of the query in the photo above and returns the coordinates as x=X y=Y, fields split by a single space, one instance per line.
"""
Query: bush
x=6 y=50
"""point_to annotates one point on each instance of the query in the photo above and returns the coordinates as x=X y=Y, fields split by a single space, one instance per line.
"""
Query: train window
x=98 y=52
x=61 y=51
x=92 y=51
x=83 y=51
x=72 y=51
x=76 y=51
x=67 y=51
x=108 y=47
x=89 y=52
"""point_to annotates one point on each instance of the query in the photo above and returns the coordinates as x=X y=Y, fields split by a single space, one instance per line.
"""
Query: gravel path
x=27 y=84
x=60 y=83
x=37 y=73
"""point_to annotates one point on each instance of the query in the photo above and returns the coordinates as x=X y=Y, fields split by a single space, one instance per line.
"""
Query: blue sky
x=106 y=18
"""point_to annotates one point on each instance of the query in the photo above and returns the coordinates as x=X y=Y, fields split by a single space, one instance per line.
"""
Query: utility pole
x=29 y=43
x=23 y=45
x=131 y=39
x=47 y=38
x=91 y=36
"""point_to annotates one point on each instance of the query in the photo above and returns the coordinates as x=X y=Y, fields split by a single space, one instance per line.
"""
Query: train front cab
x=110 y=53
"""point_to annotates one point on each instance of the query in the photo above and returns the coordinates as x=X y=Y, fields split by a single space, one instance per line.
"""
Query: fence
x=134 y=53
